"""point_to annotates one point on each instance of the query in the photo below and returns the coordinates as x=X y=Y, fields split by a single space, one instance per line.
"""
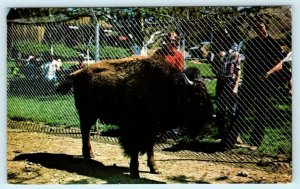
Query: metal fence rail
x=40 y=56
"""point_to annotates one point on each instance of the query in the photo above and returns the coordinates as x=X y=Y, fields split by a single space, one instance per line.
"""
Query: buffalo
x=142 y=96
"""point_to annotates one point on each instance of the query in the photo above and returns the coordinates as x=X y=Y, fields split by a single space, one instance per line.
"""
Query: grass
x=27 y=48
x=205 y=69
x=55 y=110
x=277 y=141
x=52 y=110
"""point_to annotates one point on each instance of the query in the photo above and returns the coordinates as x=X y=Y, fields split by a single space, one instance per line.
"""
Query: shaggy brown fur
x=141 y=95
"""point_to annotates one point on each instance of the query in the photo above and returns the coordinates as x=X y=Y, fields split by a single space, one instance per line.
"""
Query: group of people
x=47 y=67
x=263 y=57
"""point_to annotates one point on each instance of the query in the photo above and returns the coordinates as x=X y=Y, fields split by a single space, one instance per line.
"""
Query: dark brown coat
x=141 y=95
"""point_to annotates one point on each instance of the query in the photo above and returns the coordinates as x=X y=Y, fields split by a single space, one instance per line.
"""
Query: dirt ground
x=37 y=158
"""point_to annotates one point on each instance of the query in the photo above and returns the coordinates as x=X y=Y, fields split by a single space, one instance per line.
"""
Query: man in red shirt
x=170 y=53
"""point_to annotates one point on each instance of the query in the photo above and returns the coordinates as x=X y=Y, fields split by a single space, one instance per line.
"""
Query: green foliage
x=44 y=15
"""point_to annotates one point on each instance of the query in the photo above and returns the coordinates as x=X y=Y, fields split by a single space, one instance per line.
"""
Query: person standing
x=262 y=53
x=226 y=96
x=48 y=68
x=226 y=66
x=170 y=53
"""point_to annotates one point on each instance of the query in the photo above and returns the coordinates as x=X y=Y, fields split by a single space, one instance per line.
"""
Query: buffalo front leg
x=151 y=162
x=134 y=165
x=85 y=126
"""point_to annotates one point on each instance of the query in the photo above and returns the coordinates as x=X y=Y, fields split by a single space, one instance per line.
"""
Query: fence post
x=182 y=33
x=183 y=51
x=97 y=43
x=96 y=36
x=52 y=50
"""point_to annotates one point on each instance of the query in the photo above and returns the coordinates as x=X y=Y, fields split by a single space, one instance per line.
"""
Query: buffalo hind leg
x=85 y=126
x=151 y=161
x=134 y=165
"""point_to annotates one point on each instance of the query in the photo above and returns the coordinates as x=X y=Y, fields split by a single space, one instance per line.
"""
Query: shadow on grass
x=90 y=168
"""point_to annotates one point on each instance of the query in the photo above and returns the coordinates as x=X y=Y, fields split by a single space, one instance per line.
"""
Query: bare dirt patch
x=38 y=158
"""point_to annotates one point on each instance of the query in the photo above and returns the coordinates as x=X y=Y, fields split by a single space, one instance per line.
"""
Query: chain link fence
x=251 y=109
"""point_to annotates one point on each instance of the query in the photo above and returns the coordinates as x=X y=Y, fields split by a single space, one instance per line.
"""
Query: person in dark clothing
x=225 y=64
x=262 y=53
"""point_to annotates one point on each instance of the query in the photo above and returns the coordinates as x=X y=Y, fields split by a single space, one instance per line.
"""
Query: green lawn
x=277 y=141
x=205 y=69
x=52 y=110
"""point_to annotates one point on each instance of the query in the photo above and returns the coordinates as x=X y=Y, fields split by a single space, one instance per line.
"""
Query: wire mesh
x=251 y=109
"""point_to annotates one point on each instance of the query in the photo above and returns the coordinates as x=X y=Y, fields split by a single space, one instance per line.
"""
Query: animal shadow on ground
x=78 y=165
x=196 y=146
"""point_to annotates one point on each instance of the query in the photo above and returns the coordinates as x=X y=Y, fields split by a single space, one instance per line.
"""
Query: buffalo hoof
x=154 y=171
x=135 y=175
x=88 y=157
